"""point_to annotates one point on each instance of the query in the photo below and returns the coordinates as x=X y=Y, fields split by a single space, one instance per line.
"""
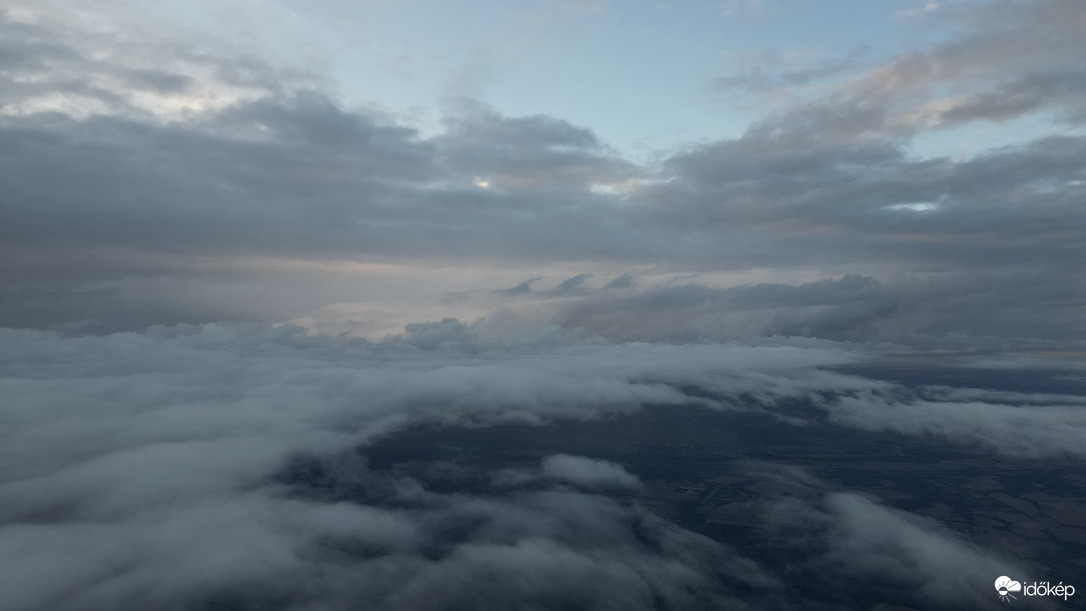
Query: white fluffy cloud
x=1019 y=430
x=589 y=472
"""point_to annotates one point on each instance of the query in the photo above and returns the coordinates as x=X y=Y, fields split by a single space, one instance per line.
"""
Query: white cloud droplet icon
x=1005 y=585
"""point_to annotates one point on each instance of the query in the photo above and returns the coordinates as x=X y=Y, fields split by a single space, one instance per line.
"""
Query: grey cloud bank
x=140 y=469
x=119 y=210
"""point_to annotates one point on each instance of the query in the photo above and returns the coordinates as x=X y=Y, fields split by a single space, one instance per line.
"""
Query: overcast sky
x=903 y=170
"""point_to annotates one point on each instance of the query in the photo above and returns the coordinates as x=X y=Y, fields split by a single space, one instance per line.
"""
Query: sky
x=242 y=241
x=360 y=166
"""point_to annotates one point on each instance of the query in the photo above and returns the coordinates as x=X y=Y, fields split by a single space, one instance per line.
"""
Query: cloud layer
x=148 y=183
x=214 y=464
